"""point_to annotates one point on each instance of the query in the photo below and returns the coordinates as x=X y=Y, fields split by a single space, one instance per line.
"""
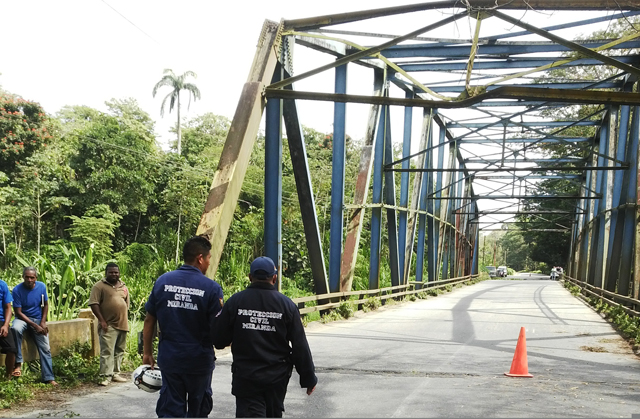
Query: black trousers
x=257 y=401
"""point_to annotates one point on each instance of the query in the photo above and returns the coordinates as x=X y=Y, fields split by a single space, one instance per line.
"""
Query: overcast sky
x=84 y=52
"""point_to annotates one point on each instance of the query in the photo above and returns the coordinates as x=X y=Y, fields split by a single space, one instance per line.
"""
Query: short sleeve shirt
x=5 y=298
x=30 y=301
x=185 y=303
x=113 y=301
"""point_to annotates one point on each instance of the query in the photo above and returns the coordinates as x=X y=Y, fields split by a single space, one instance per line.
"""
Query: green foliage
x=115 y=157
x=95 y=228
x=71 y=367
x=75 y=364
x=422 y=295
x=331 y=316
x=345 y=309
x=12 y=392
x=371 y=304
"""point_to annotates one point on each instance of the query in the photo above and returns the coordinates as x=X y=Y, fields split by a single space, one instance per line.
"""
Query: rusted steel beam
x=356 y=216
x=227 y=181
x=336 y=19
x=504 y=92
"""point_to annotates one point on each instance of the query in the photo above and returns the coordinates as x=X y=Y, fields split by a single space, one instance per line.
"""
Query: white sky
x=83 y=52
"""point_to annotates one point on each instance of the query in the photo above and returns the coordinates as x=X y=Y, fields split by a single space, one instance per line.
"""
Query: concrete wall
x=64 y=333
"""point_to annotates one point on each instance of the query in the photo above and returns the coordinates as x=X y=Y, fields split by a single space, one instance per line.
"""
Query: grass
x=72 y=367
x=628 y=326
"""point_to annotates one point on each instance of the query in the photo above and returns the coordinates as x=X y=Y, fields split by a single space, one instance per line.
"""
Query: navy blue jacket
x=185 y=302
x=267 y=336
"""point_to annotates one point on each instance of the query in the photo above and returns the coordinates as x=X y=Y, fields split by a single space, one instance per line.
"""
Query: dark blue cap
x=263 y=267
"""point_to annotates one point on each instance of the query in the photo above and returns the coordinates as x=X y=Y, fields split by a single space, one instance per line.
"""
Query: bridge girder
x=443 y=184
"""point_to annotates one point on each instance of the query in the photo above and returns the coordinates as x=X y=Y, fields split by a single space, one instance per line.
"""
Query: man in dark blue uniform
x=268 y=340
x=184 y=302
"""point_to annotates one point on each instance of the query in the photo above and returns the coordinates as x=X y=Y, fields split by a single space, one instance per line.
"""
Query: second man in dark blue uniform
x=268 y=340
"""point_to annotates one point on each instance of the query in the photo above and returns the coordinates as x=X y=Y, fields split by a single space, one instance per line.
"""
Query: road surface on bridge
x=443 y=357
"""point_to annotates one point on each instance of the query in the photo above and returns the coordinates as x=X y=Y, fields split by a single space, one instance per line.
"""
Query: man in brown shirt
x=109 y=301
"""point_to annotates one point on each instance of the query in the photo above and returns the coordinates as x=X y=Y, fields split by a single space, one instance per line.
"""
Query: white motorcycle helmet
x=147 y=379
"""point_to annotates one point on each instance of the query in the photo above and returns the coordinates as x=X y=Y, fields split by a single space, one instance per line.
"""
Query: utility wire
x=134 y=25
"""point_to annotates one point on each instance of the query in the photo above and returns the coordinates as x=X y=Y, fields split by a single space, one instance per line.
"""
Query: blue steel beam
x=585 y=234
x=427 y=126
x=422 y=218
x=390 y=201
x=512 y=63
x=376 y=198
x=604 y=18
x=437 y=206
x=476 y=241
x=609 y=128
x=598 y=206
x=304 y=188
x=546 y=124
x=523 y=160
x=431 y=228
x=567 y=86
x=630 y=190
x=273 y=180
x=616 y=228
x=337 y=181
x=404 y=189
x=498 y=49
x=574 y=46
x=551 y=140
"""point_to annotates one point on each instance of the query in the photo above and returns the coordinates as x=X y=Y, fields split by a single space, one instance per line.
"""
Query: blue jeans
x=42 y=343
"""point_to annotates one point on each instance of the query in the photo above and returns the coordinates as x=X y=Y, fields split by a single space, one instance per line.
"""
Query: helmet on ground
x=147 y=379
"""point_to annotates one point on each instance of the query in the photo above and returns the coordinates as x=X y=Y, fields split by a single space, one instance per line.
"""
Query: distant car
x=556 y=273
x=492 y=271
x=501 y=271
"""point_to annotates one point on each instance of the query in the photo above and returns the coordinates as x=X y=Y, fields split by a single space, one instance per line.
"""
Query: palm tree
x=177 y=83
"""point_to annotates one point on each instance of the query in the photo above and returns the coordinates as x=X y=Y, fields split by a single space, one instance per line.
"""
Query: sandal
x=16 y=373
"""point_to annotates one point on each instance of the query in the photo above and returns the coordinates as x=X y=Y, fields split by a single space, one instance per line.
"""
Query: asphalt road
x=443 y=357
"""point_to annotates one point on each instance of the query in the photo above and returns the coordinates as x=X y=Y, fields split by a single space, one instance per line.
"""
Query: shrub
x=331 y=316
x=345 y=309
x=75 y=363
x=371 y=304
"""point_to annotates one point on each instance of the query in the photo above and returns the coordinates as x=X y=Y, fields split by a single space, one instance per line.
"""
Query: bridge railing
x=334 y=299
x=628 y=304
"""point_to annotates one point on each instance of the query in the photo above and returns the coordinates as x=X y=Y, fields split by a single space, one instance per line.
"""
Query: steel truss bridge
x=481 y=104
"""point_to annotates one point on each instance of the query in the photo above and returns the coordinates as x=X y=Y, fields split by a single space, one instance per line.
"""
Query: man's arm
x=95 y=308
x=300 y=352
x=222 y=328
x=20 y=315
x=147 y=340
x=4 y=328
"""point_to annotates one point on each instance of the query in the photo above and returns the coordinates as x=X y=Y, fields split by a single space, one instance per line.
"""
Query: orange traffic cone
x=519 y=366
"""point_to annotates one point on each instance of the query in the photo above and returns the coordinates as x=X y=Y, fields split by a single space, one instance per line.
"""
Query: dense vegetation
x=82 y=187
